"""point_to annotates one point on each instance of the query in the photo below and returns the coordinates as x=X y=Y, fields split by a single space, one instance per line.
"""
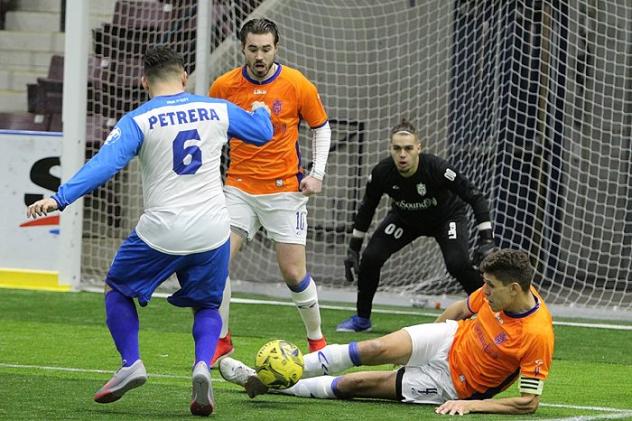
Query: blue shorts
x=137 y=270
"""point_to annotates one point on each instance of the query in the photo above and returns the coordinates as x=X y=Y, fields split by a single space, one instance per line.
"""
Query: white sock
x=318 y=387
x=224 y=309
x=307 y=304
x=329 y=360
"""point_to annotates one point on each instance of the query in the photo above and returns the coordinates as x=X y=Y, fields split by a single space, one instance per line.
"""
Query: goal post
x=529 y=99
x=74 y=137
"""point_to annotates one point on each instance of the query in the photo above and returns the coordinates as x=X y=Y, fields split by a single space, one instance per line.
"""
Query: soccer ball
x=279 y=364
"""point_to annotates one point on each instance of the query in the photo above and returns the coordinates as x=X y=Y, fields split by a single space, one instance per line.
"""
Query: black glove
x=485 y=247
x=352 y=261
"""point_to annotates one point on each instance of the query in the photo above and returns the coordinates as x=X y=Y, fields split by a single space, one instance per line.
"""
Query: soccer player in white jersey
x=184 y=228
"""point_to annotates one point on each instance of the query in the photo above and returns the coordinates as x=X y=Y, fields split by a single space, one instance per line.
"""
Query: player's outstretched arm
x=41 y=207
x=455 y=311
x=254 y=128
x=525 y=404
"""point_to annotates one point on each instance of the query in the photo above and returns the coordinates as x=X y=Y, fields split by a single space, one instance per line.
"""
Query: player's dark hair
x=404 y=126
x=258 y=26
x=509 y=266
x=160 y=62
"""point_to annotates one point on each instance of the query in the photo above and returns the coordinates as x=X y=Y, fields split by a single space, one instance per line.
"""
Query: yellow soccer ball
x=279 y=364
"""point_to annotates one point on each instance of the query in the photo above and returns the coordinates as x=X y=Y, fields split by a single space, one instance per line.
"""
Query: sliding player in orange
x=458 y=363
x=267 y=186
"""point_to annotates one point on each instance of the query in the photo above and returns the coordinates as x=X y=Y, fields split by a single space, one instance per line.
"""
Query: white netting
x=530 y=99
x=114 y=88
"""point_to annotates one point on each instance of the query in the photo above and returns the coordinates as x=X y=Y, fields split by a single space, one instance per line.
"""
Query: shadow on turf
x=269 y=399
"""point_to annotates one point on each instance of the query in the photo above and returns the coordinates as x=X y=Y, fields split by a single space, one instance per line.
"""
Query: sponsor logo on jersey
x=421 y=189
x=396 y=187
x=259 y=91
x=424 y=204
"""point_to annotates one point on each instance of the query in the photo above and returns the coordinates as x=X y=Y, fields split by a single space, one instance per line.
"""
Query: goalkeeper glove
x=352 y=261
x=485 y=247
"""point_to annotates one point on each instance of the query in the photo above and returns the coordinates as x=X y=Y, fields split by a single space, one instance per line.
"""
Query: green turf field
x=55 y=352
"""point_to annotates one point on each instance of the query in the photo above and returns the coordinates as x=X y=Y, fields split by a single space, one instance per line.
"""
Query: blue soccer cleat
x=355 y=324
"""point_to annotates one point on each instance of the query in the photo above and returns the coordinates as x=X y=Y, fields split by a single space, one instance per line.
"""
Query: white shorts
x=283 y=215
x=426 y=376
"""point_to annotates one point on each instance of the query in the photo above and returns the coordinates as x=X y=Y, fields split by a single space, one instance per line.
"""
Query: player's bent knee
x=373 y=259
x=293 y=275
x=373 y=351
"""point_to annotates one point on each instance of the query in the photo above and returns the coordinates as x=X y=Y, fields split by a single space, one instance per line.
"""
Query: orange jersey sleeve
x=492 y=349
x=276 y=166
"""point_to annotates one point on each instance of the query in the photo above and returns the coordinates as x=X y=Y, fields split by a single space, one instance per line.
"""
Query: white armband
x=484 y=226
x=358 y=234
x=321 y=141
x=531 y=385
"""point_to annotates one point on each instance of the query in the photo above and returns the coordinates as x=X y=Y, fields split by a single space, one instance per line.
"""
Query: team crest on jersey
x=114 y=134
x=276 y=106
x=421 y=189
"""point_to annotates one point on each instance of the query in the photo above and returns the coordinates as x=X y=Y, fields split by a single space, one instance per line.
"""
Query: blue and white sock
x=331 y=359
x=305 y=296
x=206 y=327
x=317 y=387
x=122 y=320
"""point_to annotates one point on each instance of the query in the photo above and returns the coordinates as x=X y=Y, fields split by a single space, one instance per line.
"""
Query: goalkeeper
x=459 y=362
x=428 y=199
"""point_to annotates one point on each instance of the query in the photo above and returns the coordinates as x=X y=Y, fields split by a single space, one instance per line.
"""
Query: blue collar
x=526 y=313
x=244 y=72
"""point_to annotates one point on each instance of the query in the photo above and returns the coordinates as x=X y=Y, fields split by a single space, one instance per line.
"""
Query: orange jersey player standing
x=267 y=186
x=458 y=363
x=291 y=98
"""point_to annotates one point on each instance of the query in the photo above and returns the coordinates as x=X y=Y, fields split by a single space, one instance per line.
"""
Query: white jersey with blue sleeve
x=178 y=139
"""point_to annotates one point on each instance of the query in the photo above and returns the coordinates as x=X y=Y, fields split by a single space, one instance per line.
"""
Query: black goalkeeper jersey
x=432 y=195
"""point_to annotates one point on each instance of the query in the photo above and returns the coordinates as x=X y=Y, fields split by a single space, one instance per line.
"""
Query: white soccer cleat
x=235 y=371
x=202 y=402
x=125 y=378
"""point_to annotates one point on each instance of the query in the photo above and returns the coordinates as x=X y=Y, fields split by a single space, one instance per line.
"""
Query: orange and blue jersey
x=275 y=167
x=490 y=351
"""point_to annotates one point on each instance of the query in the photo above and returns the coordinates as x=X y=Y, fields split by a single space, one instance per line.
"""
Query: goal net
x=529 y=99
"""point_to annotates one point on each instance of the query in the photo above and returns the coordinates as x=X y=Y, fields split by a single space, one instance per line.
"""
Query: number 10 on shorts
x=301 y=220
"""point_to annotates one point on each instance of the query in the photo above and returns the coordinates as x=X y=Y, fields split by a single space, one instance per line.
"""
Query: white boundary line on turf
x=88 y=370
x=616 y=416
x=402 y=312
x=587 y=408
x=619 y=413
x=419 y=313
